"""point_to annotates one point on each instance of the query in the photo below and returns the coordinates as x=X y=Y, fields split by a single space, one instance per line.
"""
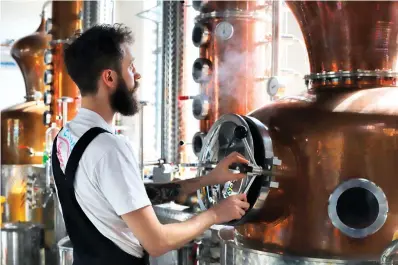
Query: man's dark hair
x=97 y=49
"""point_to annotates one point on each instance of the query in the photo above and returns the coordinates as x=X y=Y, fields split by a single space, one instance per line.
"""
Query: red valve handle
x=185 y=97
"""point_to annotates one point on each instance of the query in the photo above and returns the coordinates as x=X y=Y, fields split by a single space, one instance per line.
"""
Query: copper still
x=22 y=145
x=67 y=21
x=231 y=38
x=22 y=129
x=335 y=200
x=22 y=134
x=28 y=53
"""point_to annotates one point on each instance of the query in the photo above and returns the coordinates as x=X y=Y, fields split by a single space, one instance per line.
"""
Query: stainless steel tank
x=65 y=251
x=22 y=244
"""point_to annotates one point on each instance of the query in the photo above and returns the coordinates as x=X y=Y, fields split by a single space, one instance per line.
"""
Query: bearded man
x=106 y=207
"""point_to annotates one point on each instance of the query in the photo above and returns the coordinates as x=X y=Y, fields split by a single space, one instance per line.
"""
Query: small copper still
x=46 y=81
x=339 y=142
x=22 y=129
x=28 y=53
x=232 y=76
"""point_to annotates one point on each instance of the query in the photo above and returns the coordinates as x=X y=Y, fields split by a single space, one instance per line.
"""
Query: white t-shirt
x=107 y=181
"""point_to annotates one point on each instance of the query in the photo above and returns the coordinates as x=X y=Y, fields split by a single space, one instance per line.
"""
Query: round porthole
x=197 y=142
x=358 y=208
x=200 y=35
x=200 y=107
x=201 y=70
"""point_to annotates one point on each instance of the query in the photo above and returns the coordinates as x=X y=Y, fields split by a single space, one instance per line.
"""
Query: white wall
x=17 y=19
x=125 y=12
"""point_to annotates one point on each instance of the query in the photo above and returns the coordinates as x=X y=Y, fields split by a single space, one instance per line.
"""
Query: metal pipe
x=67 y=20
x=173 y=30
x=64 y=113
x=64 y=101
x=165 y=79
x=91 y=14
x=97 y=12
x=141 y=149
x=389 y=255
x=154 y=163
x=276 y=36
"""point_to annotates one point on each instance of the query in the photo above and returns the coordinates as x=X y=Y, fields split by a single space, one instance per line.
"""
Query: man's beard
x=124 y=100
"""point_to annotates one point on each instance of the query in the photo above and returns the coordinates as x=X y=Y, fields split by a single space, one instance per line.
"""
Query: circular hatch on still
x=249 y=137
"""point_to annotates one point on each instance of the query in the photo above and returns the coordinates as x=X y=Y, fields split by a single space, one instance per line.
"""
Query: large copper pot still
x=230 y=36
x=63 y=94
x=338 y=143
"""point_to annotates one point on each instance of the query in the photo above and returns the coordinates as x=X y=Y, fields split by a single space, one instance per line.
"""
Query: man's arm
x=158 y=239
x=119 y=180
x=160 y=193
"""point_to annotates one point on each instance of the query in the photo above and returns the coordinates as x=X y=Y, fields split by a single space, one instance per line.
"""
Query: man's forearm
x=177 y=235
x=158 y=238
x=160 y=193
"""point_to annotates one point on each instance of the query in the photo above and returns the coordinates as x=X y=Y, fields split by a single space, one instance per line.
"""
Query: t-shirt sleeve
x=119 y=180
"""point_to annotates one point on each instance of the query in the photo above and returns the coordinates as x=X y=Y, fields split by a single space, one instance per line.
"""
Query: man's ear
x=109 y=77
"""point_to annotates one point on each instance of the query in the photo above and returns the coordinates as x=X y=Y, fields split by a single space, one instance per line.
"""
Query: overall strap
x=55 y=162
x=77 y=152
x=90 y=246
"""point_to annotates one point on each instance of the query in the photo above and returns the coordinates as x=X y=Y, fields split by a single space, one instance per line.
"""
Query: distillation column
x=231 y=74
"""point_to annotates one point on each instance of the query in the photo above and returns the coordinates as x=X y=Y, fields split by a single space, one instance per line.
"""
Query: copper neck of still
x=350 y=44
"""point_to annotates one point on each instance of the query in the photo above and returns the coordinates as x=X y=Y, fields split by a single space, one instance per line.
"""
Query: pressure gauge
x=273 y=86
x=224 y=30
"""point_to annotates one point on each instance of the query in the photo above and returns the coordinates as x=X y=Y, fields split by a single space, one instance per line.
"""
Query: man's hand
x=222 y=174
x=165 y=192
x=232 y=208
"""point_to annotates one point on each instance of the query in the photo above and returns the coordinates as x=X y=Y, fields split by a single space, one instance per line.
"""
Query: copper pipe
x=63 y=86
x=67 y=21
